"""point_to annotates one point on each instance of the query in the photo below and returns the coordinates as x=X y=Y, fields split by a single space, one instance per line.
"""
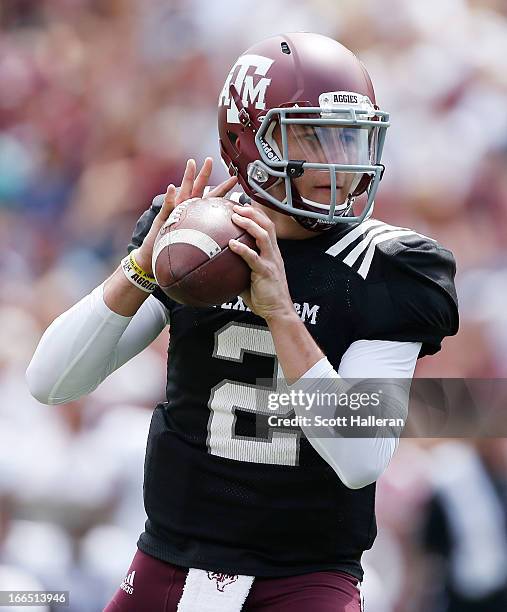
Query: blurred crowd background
x=101 y=104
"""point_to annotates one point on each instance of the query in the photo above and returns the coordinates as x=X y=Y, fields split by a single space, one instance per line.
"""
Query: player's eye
x=349 y=136
x=310 y=137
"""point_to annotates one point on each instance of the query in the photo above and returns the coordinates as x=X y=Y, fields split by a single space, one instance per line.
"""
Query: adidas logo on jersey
x=367 y=235
x=128 y=583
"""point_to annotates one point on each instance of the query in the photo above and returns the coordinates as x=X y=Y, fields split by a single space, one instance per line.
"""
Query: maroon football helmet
x=299 y=125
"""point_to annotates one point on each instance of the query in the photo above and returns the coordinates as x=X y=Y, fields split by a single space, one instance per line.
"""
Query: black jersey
x=220 y=494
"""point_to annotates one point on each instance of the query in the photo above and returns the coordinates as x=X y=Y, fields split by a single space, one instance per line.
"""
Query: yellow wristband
x=139 y=270
x=136 y=275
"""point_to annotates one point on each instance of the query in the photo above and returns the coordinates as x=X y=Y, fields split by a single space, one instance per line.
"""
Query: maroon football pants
x=151 y=584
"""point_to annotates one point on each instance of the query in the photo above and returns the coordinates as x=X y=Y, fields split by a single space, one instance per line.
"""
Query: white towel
x=214 y=592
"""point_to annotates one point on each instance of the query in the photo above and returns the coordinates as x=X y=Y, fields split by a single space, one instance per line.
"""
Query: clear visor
x=331 y=144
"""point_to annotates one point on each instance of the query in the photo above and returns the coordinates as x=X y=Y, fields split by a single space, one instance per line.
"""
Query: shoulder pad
x=358 y=247
x=423 y=259
x=409 y=293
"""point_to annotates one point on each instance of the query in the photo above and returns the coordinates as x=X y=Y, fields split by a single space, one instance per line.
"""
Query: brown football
x=192 y=261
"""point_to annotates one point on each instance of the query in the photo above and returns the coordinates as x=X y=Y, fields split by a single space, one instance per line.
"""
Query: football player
x=242 y=516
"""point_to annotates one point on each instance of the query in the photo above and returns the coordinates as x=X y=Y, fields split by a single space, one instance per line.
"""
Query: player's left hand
x=268 y=295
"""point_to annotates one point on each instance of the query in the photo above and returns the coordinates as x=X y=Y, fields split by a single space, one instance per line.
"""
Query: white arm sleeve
x=359 y=461
x=88 y=342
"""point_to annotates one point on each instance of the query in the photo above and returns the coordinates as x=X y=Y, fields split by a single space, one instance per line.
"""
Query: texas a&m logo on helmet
x=248 y=75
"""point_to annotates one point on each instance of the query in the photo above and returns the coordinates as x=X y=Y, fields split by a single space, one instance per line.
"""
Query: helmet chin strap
x=309 y=223
x=312 y=225
x=317 y=225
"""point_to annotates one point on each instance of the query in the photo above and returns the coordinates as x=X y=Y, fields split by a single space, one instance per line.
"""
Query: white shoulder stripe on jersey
x=363 y=245
x=373 y=232
x=344 y=242
x=365 y=265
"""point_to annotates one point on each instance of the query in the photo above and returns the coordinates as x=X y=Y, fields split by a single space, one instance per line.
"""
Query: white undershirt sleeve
x=360 y=461
x=88 y=342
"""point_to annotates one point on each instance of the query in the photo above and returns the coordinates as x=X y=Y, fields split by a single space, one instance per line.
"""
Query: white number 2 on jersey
x=280 y=448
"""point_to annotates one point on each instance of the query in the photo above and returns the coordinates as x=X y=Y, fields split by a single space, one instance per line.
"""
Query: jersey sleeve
x=414 y=300
x=142 y=227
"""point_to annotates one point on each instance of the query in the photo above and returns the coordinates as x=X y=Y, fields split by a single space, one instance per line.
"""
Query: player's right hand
x=192 y=186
